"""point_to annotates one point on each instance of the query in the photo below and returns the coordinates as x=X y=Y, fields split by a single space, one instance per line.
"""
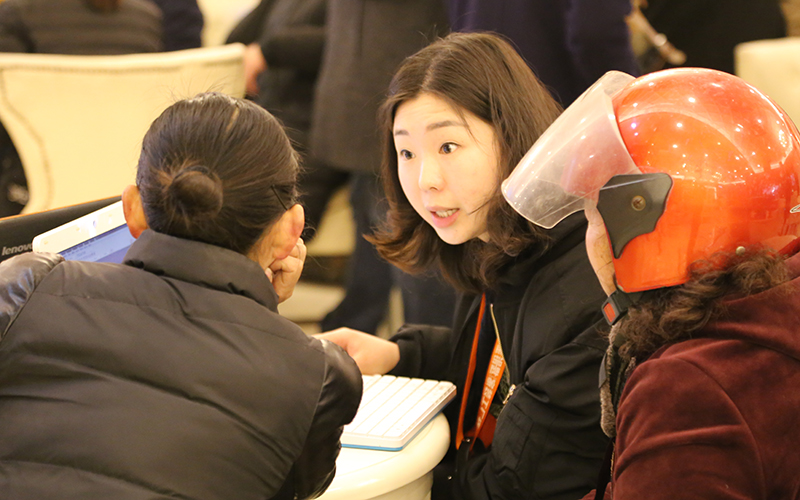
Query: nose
x=430 y=175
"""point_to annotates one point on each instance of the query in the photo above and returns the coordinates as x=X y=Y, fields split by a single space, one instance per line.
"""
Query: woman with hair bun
x=172 y=375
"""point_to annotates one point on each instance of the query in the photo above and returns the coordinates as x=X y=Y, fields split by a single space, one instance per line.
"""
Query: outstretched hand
x=373 y=355
x=284 y=273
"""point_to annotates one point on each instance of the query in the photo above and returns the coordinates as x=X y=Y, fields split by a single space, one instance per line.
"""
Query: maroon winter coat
x=718 y=416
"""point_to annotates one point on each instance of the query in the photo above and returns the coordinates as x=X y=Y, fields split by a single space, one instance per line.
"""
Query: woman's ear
x=280 y=239
x=134 y=213
x=287 y=230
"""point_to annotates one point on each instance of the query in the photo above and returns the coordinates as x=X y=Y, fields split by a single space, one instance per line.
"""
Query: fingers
x=302 y=251
x=373 y=355
x=294 y=261
x=285 y=273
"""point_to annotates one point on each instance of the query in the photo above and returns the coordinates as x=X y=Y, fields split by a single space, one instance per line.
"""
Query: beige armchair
x=78 y=121
x=773 y=66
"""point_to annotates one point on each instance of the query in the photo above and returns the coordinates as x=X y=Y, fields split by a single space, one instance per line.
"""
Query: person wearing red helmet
x=690 y=181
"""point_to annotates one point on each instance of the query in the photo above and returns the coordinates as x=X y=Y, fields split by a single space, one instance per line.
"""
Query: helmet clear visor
x=573 y=159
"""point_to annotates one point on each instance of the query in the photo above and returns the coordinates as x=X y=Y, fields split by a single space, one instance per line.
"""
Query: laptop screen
x=106 y=247
x=17 y=232
x=100 y=236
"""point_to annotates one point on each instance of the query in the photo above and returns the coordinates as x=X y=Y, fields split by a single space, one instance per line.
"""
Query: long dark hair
x=670 y=315
x=478 y=73
x=218 y=170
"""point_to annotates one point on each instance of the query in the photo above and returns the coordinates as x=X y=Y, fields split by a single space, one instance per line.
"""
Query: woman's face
x=447 y=165
x=599 y=249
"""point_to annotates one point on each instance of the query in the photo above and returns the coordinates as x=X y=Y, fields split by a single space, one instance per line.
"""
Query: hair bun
x=196 y=191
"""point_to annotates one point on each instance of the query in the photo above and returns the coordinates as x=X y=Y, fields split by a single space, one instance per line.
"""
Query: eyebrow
x=433 y=126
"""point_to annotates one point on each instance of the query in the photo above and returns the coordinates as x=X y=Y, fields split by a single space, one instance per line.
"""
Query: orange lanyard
x=494 y=374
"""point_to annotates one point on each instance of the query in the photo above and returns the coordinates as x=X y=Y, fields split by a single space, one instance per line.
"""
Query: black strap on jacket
x=605 y=472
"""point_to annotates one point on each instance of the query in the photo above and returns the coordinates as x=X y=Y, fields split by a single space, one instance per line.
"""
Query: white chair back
x=78 y=121
x=773 y=67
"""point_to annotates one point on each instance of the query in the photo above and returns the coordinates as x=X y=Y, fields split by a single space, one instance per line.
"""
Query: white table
x=391 y=475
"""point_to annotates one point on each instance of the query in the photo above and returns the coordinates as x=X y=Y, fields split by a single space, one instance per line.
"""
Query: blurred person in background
x=84 y=27
x=791 y=11
x=183 y=24
x=365 y=43
x=708 y=30
x=568 y=44
x=285 y=40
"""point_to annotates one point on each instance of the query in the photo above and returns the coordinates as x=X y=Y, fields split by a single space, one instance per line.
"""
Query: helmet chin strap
x=616 y=305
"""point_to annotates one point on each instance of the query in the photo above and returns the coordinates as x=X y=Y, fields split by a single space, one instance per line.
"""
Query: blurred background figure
x=365 y=42
x=83 y=27
x=284 y=39
x=791 y=11
x=708 y=30
x=183 y=23
x=568 y=44
x=80 y=26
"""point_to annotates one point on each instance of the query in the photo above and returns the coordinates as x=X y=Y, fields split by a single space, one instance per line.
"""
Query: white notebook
x=394 y=409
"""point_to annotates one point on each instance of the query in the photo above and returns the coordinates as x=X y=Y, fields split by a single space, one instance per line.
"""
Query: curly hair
x=671 y=315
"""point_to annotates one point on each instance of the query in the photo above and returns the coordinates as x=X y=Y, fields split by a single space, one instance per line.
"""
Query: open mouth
x=444 y=217
x=443 y=214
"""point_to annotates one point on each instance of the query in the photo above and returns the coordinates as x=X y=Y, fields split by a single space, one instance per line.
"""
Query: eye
x=448 y=147
x=405 y=154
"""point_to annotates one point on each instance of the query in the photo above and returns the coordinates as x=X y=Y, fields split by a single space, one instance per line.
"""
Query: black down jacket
x=171 y=376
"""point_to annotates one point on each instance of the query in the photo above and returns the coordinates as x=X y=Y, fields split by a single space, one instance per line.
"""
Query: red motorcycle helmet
x=714 y=166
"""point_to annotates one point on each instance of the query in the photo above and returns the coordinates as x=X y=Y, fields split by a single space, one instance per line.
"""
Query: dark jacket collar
x=563 y=237
x=516 y=278
x=202 y=264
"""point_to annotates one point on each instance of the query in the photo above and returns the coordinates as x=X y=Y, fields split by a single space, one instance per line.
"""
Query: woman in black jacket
x=460 y=115
x=172 y=375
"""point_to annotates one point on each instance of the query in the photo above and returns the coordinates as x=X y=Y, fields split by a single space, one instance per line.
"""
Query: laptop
x=100 y=236
x=17 y=232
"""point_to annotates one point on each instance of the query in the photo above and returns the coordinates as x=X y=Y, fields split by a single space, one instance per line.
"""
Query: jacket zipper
x=511 y=387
